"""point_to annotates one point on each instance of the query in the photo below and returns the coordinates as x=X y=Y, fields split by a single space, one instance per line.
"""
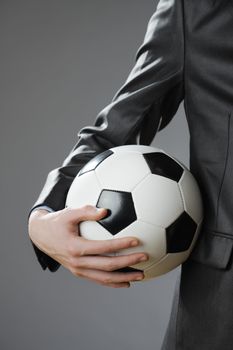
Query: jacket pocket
x=213 y=249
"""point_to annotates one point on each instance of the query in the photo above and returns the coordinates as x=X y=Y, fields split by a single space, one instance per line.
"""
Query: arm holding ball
x=144 y=104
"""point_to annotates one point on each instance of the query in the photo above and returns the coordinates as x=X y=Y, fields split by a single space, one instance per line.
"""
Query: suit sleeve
x=144 y=104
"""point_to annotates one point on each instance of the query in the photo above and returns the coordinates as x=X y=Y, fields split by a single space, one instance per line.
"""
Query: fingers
x=116 y=285
x=79 y=246
x=108 y=263
x=109 y=278
x=87 y=212
x=84 y=255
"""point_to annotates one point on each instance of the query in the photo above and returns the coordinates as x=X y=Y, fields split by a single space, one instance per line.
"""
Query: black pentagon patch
x=180 y=233
x=94 y=162
x=161 y=164
x=121 y=211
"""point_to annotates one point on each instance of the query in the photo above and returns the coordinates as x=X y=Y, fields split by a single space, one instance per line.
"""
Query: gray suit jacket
x=185 y=56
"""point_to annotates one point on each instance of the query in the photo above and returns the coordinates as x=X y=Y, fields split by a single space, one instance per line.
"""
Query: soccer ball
x=150 y=195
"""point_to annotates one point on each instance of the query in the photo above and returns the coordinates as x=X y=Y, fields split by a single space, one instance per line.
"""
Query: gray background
x=61 y=63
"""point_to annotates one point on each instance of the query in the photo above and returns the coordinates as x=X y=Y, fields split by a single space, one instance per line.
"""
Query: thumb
x=87 y=212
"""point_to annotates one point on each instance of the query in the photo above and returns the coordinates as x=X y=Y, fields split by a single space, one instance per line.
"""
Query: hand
x=57 y=234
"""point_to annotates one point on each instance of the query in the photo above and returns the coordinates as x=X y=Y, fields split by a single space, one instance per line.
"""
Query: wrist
x=33 y=218
x=38 y=212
